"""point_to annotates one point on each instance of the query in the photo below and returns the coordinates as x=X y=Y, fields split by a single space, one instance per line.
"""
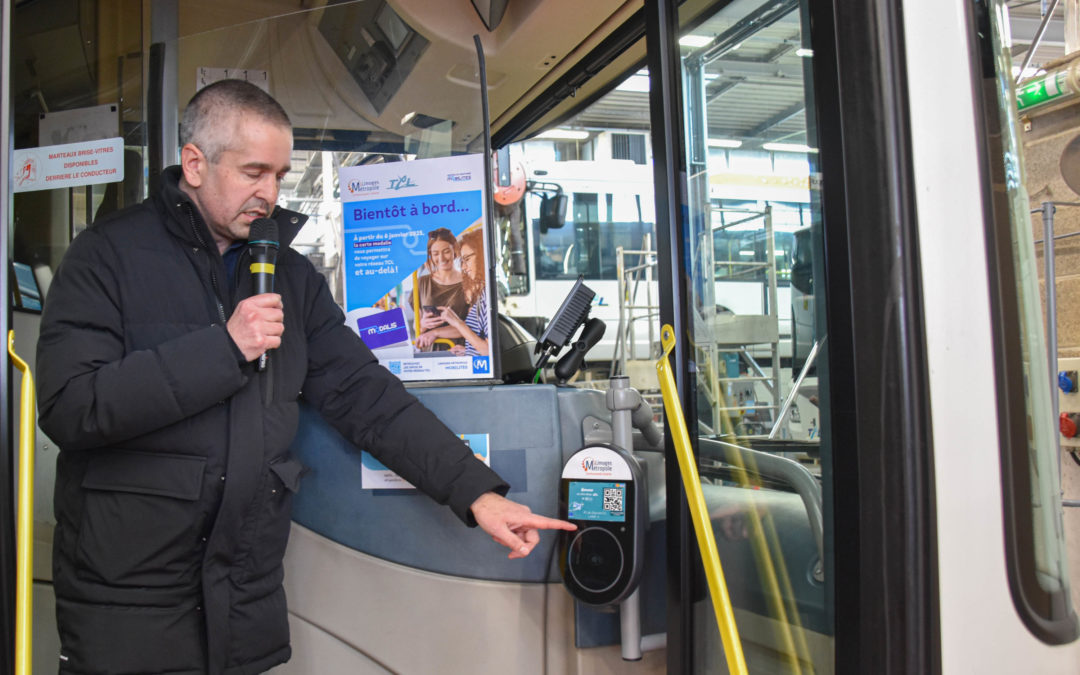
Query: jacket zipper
x=213 y=273
x=268 y=380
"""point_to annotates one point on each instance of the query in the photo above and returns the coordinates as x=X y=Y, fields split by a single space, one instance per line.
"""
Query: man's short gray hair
x=208 y=119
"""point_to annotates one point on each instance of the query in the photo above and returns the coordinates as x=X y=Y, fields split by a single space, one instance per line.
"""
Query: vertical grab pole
x=1049 y=276
x=721 y=600
x=25 y=536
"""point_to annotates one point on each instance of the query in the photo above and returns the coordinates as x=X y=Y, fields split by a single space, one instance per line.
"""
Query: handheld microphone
x=263 y=245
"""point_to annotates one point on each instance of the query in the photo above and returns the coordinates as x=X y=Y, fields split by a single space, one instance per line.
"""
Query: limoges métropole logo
x=359 y=187
x=592 y=465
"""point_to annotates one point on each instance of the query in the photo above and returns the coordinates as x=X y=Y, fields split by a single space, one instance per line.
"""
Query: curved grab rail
x=772 y=569
x=25 y=537
x=721 y=600
x=783 y=469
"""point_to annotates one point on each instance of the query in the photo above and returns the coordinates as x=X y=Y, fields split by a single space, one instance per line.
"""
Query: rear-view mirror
x=552 y=211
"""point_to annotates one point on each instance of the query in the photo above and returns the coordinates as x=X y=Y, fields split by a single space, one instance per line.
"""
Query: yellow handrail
x=773 y=573
x=25 y=537
x=416 y=302
x=725 y=615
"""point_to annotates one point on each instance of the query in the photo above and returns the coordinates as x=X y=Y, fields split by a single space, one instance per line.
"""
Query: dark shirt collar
x=230 y=257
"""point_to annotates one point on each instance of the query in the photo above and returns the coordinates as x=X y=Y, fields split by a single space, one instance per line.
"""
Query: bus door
x=750 y=147
x=844 y=94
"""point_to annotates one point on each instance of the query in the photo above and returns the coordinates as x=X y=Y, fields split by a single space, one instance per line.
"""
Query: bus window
x=740 y=239
x=1035 y=537
x=596 y=225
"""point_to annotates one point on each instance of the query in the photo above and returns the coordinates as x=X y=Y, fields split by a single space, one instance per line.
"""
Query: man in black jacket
x=174 y=481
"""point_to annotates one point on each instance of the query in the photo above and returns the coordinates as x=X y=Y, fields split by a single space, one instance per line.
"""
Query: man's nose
x=267 y=189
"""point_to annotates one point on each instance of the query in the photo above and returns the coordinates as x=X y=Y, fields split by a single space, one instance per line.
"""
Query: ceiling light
x=564 y=134
x=788 y=147
x=724 y=143
x=695 y=40
x=637 y=82
x=408 y=117
x=804 y=52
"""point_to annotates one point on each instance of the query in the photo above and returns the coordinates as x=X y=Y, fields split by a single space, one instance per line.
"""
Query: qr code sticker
x=613 y=499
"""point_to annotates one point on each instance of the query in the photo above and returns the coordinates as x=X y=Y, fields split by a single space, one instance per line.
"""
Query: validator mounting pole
x=621 y=400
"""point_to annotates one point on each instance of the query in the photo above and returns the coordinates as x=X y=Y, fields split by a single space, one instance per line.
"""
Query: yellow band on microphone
x=262 y=268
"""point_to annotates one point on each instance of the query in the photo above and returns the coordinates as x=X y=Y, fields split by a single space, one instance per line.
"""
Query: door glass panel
x=76 y=78
x=76 y=84
x=1035 y=534
x=754 y=227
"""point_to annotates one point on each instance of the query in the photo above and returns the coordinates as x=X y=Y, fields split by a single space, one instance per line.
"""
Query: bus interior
x=701 y=164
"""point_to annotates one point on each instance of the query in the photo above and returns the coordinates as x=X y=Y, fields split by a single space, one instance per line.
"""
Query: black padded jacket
x=174 y=482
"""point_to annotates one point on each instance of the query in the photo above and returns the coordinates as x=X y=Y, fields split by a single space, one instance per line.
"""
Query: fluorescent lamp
x=804 y=52
x=564 y=134
x=788 y=147
x=1029 y=72
x=723 y=143
x=638 y=82
x=695 y=40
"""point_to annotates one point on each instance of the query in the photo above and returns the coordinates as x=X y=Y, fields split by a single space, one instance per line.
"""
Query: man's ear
x=193 y=163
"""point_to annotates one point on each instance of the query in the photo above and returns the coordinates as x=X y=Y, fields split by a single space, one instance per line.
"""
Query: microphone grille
x=264 y=231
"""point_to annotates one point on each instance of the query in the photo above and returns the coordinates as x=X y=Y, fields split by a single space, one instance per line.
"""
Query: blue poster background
x=386 y=239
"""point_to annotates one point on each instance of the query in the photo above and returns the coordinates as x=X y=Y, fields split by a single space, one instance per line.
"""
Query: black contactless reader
x=602 y=491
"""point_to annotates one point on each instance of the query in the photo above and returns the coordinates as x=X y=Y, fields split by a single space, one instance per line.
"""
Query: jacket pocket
x=274 y=518
x=127 y=639
x=142 y=522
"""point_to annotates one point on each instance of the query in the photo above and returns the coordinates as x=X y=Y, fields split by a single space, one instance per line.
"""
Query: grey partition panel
x=528 y=427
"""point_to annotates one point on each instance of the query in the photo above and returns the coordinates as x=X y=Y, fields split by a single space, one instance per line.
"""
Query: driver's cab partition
x=378 y=555
x=373 y=573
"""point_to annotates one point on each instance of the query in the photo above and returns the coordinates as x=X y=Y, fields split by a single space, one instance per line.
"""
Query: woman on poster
x=440 y=287
x=474 y=327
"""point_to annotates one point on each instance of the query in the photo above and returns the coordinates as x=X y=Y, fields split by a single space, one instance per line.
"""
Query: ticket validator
x=602 y=491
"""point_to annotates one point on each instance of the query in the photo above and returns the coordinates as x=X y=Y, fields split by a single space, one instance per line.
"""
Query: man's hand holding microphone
x=258 y=322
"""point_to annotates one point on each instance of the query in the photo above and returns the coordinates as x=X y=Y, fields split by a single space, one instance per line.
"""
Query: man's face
x=243 y=184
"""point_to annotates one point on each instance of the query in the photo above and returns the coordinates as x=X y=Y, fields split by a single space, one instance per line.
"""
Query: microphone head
x=264 y=231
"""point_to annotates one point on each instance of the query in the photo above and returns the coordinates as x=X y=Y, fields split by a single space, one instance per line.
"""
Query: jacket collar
x=177 y=205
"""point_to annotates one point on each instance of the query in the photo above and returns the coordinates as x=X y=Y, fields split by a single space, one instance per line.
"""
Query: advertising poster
x=375 y=476
x=415 y=266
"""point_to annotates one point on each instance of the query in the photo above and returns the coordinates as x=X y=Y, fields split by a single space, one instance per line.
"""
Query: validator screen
x=593 y=500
